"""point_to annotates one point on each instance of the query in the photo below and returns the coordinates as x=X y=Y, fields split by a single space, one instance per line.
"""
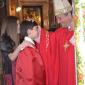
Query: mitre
x=61 y=7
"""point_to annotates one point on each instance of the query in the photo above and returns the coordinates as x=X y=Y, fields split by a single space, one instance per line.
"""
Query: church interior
x=42 y=11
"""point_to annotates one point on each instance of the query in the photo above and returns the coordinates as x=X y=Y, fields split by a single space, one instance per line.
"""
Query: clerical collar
x=29 y=40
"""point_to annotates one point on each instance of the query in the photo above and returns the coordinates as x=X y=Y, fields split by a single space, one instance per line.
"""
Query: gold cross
x=47 y=39
x=66 y=45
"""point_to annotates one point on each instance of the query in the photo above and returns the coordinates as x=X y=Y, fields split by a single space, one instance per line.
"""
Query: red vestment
x=59 y=63
x=66 y=55
x=48 y=51
x=29 y=68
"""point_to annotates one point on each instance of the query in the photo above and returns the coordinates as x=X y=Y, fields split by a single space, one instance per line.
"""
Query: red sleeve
x=24 y=70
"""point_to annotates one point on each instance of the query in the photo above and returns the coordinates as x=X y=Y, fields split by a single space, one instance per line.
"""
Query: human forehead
x=35 y=27
x=63 y=15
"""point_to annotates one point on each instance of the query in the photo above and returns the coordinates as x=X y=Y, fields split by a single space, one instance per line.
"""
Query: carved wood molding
x=31 y=1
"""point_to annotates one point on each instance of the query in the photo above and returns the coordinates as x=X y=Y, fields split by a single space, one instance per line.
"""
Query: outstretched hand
x=13 y=56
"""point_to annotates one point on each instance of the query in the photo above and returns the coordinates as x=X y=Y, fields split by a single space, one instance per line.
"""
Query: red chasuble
x=48 y=51
x=29 y=68
x=66 y=55
x=58 y=59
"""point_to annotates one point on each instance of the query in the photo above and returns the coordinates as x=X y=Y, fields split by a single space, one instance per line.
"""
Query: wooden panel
x=34 y=0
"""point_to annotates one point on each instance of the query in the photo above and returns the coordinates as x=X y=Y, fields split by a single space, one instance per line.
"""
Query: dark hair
x=6 y=43
x=9 y=25
x=6 y=47
x=25 y=25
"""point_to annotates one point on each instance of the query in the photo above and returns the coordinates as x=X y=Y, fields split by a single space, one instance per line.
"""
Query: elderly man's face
x=64 y=19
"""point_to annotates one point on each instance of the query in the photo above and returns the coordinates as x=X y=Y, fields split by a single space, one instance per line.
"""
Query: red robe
x=29 y=68
x=48 y=51
x=59 y=64
x=67 y=74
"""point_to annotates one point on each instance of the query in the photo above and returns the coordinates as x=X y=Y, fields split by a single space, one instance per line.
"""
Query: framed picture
x=32 y=13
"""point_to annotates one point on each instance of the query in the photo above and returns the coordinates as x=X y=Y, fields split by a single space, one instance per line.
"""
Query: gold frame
x=35 y=11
